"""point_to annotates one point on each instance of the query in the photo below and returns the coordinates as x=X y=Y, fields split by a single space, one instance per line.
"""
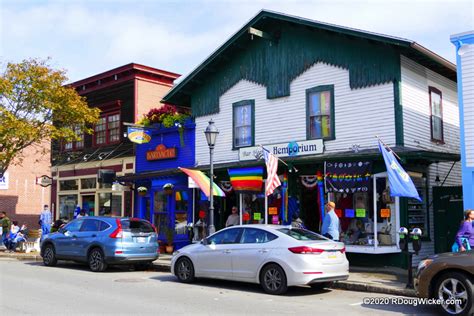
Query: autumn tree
x=36 y=105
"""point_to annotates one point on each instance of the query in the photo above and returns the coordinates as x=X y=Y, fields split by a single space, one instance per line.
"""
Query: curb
x=361 y=287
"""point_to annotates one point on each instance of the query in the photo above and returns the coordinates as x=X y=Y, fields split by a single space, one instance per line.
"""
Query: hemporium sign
x=161 y=152
x=290 y=149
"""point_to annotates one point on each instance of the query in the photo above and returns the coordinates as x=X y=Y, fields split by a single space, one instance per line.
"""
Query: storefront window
x=253 y=209
x=160 y=211
x=67 y=204
x=105 y=185
x=68 y=185
x=320 y=105
x=110 y=204
x=88 y=183
x=417 y=211
x=243 y=118
x=181 y=211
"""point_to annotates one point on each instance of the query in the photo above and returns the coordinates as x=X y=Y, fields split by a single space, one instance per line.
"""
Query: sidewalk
x=387 y=280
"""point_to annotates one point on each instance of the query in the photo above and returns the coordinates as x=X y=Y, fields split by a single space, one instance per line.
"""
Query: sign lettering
x=160 y=153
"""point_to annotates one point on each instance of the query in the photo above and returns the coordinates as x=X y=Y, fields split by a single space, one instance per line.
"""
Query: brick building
x=20 y=196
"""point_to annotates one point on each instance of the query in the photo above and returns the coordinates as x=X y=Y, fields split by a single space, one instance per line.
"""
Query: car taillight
x=343 y=250
x=306 y=250
x=117 y=233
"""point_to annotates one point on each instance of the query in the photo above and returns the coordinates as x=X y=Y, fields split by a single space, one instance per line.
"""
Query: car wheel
x=457 y=286
x=321 y=285
x=273 y=279
x=97 y=260
x=49 y=256
x=184 y=270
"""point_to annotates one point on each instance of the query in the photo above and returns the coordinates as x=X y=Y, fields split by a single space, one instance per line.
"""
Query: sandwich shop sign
x=291 y=149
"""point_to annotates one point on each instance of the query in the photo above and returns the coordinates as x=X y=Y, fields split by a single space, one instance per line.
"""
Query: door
x=65 y=242
x=86 y=235
x=215 y=259
x=88 y=204
x=247 y=256
x=448 y=215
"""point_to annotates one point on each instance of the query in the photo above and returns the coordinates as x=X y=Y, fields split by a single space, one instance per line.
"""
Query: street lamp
x=211 y=135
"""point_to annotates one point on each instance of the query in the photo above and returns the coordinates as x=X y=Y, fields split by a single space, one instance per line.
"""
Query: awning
x=203 y=182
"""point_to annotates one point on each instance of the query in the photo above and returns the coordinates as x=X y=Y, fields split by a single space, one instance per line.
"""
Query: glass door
x=88 y=204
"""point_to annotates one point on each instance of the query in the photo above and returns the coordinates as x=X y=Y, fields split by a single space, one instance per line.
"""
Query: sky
x=89 y=37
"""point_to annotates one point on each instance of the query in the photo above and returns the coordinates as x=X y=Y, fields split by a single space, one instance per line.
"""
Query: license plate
x=332 y=256
x=141 y=239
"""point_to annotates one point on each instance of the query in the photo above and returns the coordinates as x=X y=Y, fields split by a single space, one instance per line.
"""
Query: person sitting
x=21 y=235
x=297 y=222
x=14 y=229
x=233 y=219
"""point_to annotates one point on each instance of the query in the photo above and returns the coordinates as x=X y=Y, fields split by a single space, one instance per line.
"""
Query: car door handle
x=94 y=235
x=74 y=236
x=263 y=250
x=226 y=251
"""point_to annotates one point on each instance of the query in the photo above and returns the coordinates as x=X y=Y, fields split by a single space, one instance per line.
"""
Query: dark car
x=448 y=276
x=100 y=241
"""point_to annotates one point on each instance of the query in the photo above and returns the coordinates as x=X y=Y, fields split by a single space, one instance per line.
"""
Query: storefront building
x=465 y=62
x=162 y=192
x=123 y=95
x=305 y=91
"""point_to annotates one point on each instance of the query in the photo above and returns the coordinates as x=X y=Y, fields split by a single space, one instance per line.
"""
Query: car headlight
x=175 y=253
x=422 y=265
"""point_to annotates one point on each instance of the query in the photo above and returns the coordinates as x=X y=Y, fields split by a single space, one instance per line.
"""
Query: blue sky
x=89 y=37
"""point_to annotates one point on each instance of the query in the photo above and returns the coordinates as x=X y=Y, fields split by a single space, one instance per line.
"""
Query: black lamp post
x=211 y=133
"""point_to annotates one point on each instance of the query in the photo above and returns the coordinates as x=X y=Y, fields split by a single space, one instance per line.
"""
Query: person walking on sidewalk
x=466 y=231
x=330 y=228
x=45 y=221
x=6 y=223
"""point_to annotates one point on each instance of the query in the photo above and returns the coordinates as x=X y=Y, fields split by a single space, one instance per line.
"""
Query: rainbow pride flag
x=248 y=179
x=203 y=182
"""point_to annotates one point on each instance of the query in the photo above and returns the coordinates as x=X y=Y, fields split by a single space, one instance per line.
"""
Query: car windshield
x=137 y=226
x=301 y=234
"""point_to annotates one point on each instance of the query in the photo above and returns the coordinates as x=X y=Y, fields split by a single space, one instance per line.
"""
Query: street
x=71 y=289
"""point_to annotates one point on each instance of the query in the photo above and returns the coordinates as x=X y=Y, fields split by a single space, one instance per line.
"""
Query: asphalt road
x=71 y=289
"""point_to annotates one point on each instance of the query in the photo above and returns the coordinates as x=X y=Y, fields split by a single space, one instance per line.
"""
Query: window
x=320 y=112
x=67 y=204
x=68 y=185
x=228 y=236
x=104 y=226
x=436 y=109
x=110 y=204
x=107 y=129
x=301 y=234
x=137 y=226
x=74 y=226
x=160 y=211
x=88 y=183
x=76 y=144
x=256 y=236
x=181 y=211
x=243 y=123
x=91 y=225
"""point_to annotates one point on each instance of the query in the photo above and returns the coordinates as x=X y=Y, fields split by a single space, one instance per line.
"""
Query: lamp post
x=211 y=133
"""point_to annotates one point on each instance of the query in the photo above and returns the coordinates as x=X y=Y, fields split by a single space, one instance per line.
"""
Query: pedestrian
x=45 y=221
x=297 y=222
x=6 y=223
x=330 y=228
x=21 y=235
x=12 y=234
x=233 y=219
x=466 y=232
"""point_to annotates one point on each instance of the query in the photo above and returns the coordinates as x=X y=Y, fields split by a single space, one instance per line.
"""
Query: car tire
x=463 y=289
x=49 y=256
x=96 y=260
x=321 y=285
x=184 y=270
x=273 y=279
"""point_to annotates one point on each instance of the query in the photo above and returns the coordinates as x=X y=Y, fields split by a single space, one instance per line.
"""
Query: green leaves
x=36 y=105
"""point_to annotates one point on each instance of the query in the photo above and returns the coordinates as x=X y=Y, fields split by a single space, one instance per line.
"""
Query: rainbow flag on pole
x=248 y=179
x=203 y=182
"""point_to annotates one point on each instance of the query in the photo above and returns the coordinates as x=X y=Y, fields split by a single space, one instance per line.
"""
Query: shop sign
x=44 y=181
x=291 y=149
x=272 y=210
x=139 y=135
x=275 y=220
x=257 y=216
x=385 y=212
x=338 y=212
x=160 y=153
x=360 y=212
x=349 y=212
x=4 y=181
x=192 y=184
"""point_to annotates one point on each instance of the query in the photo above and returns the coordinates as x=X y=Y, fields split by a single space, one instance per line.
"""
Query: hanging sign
x=290 y=149
x=273 y=211
x=360 y=212
x=138 y=135
x=246 y=180
x=385 y=212
x=44 y=181
x=160 y=153
x=348 y=177
x=257 y=216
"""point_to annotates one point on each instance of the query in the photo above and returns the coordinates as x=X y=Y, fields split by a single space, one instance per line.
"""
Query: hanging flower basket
x=168 y=188
x=142 y=191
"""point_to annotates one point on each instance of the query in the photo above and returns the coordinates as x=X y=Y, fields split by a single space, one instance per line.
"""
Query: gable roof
x=180 y=94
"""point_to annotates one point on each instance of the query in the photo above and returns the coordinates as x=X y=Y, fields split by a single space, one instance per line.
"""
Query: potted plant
x=169 y=232
x=168 y=188
x=142 y=191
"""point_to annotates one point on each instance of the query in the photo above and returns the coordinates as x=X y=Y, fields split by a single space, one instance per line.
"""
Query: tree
x=36 y=105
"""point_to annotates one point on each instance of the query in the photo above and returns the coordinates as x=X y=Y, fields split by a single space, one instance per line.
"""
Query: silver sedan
x=273 y=256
